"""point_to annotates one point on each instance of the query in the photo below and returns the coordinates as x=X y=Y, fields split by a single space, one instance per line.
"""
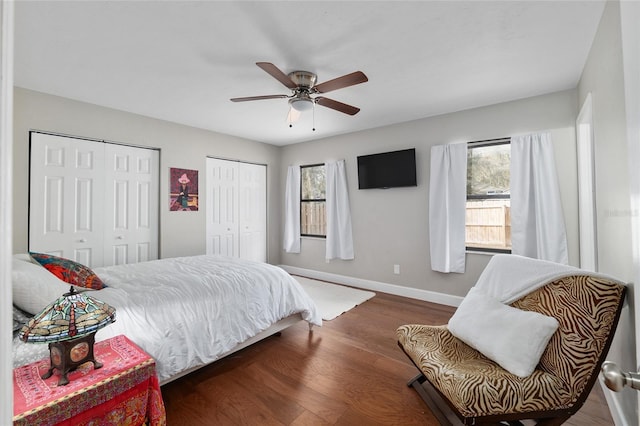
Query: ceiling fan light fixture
x=293 y=116
x=301 y=104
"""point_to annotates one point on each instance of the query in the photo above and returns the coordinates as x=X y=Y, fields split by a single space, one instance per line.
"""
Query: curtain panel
x=292 y=211
x=339 y=243
x=537 y=221
x=447 y=207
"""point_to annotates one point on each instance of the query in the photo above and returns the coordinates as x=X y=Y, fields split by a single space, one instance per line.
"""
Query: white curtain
x=339 y=234
x=292 y=211
x=447 y=207
x=537 y=222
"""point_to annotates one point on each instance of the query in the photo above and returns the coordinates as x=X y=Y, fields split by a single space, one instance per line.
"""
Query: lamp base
x=68 y=355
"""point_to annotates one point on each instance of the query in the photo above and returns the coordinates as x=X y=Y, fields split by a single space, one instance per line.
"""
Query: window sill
x=487 y=253
x=312 y=237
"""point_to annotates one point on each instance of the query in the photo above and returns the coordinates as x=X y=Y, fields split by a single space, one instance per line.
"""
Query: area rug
x=333 y=300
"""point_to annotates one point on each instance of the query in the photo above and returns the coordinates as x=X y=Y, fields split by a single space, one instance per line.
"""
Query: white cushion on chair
x=513 y=338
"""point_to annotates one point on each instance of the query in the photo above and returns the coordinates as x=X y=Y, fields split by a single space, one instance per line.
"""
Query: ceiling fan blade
x=275 y=72
x=354 y=78
x=338 y=106
x=258 y=98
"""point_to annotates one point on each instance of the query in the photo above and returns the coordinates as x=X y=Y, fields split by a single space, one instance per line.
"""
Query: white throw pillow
x=33 y=286
x=513 y=338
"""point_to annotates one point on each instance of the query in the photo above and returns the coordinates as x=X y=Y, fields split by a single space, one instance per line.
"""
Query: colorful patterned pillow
x=69 y=271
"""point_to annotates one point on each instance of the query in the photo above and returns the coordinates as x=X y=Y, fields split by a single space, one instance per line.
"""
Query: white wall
x=181 y=233
x=390 y=226
x=603 y=77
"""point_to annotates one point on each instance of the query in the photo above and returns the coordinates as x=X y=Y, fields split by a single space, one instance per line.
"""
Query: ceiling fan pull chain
x=290 y=117
x=314 y=117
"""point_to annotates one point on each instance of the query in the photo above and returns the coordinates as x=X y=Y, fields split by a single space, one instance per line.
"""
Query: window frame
x=482 y=144
x=311 y=200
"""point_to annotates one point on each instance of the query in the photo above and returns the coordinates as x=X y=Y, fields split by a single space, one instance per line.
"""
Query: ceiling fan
x=303 y=86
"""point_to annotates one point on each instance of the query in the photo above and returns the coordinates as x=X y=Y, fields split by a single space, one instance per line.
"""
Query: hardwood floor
x=348 y=372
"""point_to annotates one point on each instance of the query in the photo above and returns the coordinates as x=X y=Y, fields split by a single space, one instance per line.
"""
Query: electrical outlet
x=396 y=269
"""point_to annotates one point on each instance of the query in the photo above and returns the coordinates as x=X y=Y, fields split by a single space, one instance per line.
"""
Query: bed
x=186 y=312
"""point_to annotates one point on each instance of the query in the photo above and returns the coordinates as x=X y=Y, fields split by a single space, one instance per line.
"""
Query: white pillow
x=33 y=286
x=24 y=256
x=513 y=338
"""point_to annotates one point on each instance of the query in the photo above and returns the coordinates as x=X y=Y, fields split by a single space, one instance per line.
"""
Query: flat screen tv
x=387 y=169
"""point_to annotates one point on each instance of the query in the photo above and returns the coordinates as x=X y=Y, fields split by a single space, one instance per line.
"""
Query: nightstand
x=124 y=391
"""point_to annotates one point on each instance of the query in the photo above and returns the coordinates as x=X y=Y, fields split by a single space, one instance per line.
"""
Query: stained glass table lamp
x=69 y=326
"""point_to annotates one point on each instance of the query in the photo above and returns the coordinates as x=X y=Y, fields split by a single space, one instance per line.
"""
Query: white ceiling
x=181 y=61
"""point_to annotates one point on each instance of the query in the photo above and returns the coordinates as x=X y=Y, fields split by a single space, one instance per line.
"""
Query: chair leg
x=419 y=378
x=431 y=398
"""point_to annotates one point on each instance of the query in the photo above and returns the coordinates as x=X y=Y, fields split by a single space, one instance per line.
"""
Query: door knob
x=82 y=240
x=616 y=379
x=120 y=237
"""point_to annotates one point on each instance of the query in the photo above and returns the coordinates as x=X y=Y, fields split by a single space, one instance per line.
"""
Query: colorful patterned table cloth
x=125 y=391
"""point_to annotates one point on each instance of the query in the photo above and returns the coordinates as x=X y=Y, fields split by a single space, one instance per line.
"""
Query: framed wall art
x=183 y=188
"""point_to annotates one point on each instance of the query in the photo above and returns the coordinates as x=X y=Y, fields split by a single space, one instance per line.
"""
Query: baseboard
x=398 y=290
x=617 y=413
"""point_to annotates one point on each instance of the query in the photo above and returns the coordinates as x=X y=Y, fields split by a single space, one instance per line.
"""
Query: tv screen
x=387 y=169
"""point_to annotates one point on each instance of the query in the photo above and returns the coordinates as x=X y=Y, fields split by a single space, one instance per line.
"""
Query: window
x=488 y=211
x=313 y=201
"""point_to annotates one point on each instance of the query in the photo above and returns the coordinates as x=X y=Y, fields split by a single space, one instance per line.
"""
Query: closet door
x=66 y=187
x=253 y=206
x=131 y=210
x=93 y=202
x=222 y=207
x=236 y=209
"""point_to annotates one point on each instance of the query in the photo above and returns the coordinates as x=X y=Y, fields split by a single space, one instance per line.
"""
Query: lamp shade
x=72 y=315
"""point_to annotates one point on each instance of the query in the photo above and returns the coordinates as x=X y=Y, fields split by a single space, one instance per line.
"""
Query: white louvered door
x=93 y=202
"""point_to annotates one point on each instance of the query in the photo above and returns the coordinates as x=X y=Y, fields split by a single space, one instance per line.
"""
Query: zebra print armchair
x=462 y=386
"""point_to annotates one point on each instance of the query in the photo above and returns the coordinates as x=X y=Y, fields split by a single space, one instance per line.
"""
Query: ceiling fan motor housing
x=303 y=78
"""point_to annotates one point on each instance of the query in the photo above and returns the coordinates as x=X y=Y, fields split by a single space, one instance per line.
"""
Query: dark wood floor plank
x=234 y=400
x=321 y=406
x=309 y=419
x=348 y=372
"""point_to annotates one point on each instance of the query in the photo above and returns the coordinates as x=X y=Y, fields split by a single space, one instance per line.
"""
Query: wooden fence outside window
x=313 y=218
x=488 y=225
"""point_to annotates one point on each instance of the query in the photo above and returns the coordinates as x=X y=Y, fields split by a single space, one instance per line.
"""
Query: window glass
x=313 y=182
x=488 y=170
x=488 y=210
x=313 y=201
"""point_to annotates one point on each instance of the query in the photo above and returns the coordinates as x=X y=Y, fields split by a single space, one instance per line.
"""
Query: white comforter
x=188 y=311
